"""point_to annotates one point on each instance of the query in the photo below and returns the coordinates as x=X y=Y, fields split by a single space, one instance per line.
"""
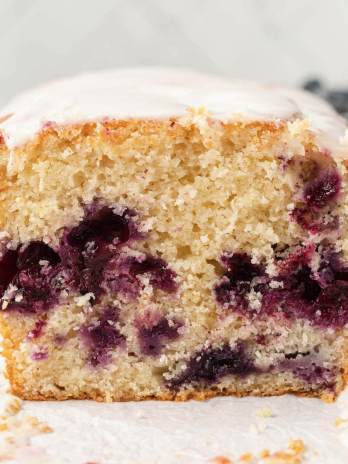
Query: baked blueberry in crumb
x=155 y=331
x=123 y=274
x=331 y=267
x=102 y=336
x=35 y=252
x=8 y=269
x=88 y=247
x=209 y=365
x=36 y=264
x=92 y=250
x=102 y=225
x=237 y=279
x=161 y=276
x=331 y=307
x=325 y=188
x=31 y=269
x=319 y=193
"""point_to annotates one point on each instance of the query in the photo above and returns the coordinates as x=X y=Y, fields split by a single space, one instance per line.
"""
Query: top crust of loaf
x=163 y=93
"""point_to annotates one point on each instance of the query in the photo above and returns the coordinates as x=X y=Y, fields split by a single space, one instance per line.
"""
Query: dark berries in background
x=338 y=98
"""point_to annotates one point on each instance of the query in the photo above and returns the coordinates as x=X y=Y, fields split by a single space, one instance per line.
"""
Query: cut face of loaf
x=191 y=253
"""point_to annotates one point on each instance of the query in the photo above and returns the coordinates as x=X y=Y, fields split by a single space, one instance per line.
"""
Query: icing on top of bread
x=159 y=93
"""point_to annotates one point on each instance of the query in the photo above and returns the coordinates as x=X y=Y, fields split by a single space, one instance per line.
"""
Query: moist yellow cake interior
x=200 y=188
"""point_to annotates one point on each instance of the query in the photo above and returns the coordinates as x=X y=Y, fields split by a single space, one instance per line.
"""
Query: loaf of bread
x=166 y=234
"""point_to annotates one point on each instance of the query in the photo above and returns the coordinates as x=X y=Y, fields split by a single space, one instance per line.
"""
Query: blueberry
x=8 y=269
x=35 y=252
x=104 y=225
x=303 y=284
x=313 y=85
x=102 y=337
x=161 y=276
x=331 y=307
x=339 y=100
x=23 y=269
x=35 y=291
x=236 y=281
x=240 y=268
x=211 y=364
x=154 y=338
x=325 y=188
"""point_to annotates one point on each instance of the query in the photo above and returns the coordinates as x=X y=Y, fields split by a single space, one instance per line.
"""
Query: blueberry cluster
x=89 y=259
x=321 y=297
x=319 y=194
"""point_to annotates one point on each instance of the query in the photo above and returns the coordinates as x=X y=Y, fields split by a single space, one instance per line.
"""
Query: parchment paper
x=188 y=433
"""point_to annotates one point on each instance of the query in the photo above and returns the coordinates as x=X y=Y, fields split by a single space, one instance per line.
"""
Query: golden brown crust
x=119 y=130
x=198 y=395
x=9 y=346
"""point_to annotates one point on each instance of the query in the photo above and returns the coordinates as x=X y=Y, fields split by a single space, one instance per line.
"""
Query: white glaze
x=160 y=93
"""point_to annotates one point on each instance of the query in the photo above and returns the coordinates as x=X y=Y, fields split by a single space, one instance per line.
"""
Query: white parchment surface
x=188 y=433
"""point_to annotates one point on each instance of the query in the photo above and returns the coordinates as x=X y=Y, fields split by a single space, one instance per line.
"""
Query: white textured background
x=284 y=40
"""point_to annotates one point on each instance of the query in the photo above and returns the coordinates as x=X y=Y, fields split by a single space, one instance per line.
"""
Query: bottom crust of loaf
x=257 y=386
x=198 y=395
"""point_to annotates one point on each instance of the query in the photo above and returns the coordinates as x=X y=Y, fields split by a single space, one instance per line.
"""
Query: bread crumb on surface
x=264 y=412
x=257 y=428
x=221 y=460
x=294 y=454
x=246 y=458
x=339 y=422
x=18 y=428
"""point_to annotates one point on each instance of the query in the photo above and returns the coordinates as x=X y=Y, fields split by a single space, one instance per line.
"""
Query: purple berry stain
x=236 y=281
x=102 y=337
x=123 y=274
x=154 y=331
x=308 y=368
x=318 y=194
x=41 y=355
x=37 y=331
x=325 y=188
x=161 y=277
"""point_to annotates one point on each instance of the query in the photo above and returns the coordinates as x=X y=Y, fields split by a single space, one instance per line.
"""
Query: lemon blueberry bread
x=166 y=234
